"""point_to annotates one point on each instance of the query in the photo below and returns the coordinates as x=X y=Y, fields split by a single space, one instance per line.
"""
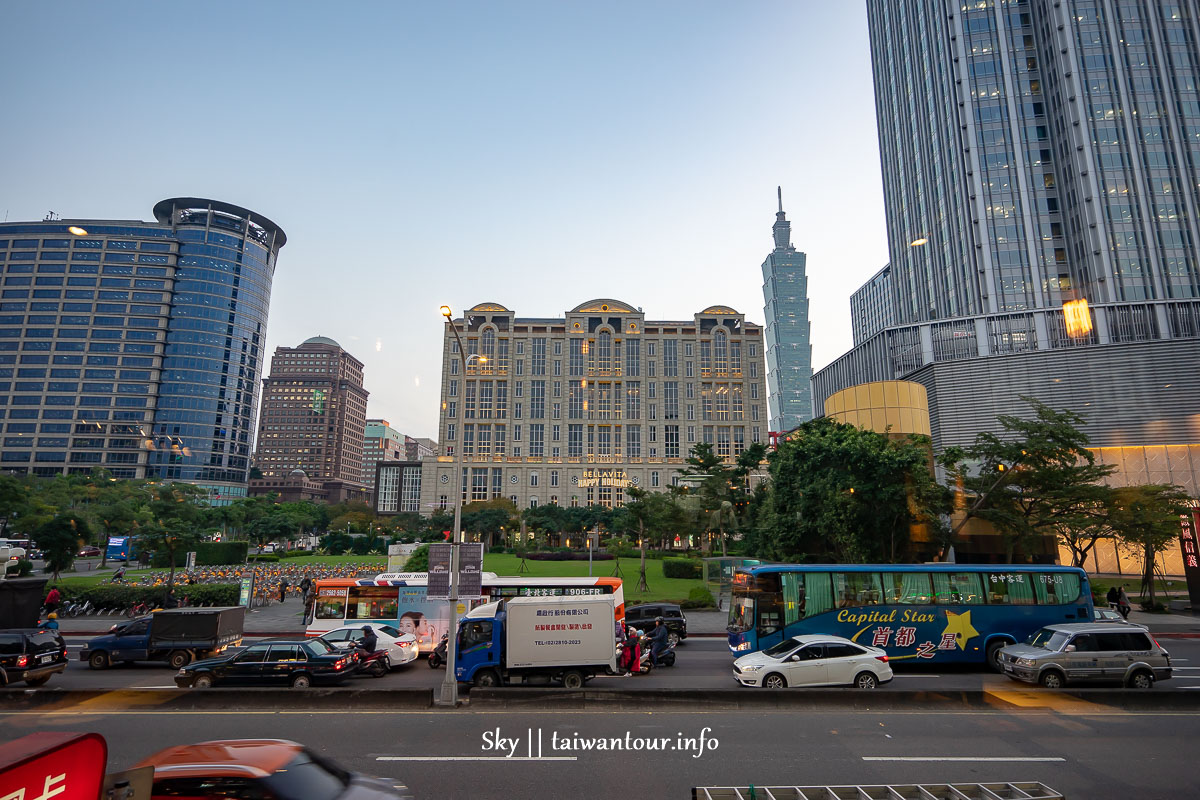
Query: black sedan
x=298 y=663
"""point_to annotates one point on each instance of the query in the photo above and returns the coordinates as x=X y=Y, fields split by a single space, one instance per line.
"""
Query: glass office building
x=136 y=346
x=788 y=332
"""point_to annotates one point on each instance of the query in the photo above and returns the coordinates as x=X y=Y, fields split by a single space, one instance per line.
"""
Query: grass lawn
x=662 y=589
x=310 y=558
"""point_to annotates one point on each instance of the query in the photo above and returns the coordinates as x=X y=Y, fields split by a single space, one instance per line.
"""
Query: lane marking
x=477 y=758
x=965 y=758
x=171 y=686
x=895 y=677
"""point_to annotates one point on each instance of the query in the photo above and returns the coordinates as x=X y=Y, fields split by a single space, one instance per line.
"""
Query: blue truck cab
x=175 y=637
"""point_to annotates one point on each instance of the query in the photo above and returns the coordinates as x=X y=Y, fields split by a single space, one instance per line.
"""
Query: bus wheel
x=993 y=656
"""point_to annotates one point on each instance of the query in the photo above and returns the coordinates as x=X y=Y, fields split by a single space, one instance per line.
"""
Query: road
x=1085 y=750
x=701 y=664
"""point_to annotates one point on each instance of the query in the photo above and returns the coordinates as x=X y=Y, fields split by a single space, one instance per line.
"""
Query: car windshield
x=782 y=649
x=307 y=778
x=318 y=647
x=1047 y=639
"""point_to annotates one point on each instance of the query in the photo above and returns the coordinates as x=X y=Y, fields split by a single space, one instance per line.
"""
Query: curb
x=340 y=699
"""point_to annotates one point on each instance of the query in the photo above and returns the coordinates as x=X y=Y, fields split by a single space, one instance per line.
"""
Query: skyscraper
x=314 y=414
x=136 y=346
x=788 y=342
x=1037 y=154
x=872 y=306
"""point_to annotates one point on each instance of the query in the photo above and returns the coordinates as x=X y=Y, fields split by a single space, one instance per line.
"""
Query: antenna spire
x=779 y=191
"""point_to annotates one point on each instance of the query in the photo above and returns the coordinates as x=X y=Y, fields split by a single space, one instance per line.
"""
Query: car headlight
x=752 y=668
x=181 y=673
x=1025 y=662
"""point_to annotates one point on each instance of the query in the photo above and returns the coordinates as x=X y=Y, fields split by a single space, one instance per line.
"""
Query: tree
x=647 y=513
x=176 y=513
x=1037 y=477
x=721 y=487
x=59 y=539
x=1146 y=518
x=842 y=493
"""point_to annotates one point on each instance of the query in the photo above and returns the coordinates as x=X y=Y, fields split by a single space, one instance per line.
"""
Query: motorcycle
x=438 y=657
x=665 y=659
x=376 y=663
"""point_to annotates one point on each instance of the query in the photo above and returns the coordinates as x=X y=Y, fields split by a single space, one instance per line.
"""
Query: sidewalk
x=277 y=619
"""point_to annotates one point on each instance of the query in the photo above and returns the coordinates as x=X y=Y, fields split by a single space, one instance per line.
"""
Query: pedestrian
x=283 y=587
x=633 y=652
x=171 y=602
x=1123 y=604
x=305 y=584
x=309 y=599
x=1113 y=596
x=52 y=600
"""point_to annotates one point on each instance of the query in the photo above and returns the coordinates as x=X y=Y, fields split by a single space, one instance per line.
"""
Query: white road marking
x=962 y=758
x=171 y=686
x=477 y=758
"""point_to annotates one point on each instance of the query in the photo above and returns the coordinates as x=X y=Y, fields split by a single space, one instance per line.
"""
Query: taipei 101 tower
x=789 y=345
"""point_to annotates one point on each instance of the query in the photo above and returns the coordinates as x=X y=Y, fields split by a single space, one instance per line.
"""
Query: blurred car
x=401 y=647
x=643 y=617
x=91 y=551
x=31 y=655
x=298 y=663
x=1088 y=652
x=260 y=768
x=1109 y=615
x=814 y=660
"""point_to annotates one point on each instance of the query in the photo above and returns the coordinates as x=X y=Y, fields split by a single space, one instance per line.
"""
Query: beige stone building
x=572 y=410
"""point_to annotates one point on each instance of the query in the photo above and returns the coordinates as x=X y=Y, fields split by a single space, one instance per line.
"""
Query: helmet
x=366 y=628
x=658 y=620
x=52 y=615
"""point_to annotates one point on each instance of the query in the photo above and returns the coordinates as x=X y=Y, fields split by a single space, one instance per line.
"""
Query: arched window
x=488 y=346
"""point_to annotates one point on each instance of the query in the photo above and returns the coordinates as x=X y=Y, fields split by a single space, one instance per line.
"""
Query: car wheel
x=179 y=659
x=202 y=682
x=1052 y=679
x=866 y=680
x=301 y=682
x=36 y=682
x=572 y=679
x=993 y=656
x=673 y=638
x=487 y=679
x=1141 y=680
x=774 y=681
x=98 y=660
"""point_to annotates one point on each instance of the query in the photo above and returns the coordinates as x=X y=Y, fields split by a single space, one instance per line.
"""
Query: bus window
x=817 y=594
x=1056 y=588
x=329 y=607
x=1010 y=588
x=906 y=588
x=793 y=597
x=854 y=589
x=958 y=588
x=372 y=602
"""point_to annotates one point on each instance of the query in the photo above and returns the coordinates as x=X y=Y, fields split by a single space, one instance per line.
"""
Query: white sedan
x=814 y=660
x=401 y=647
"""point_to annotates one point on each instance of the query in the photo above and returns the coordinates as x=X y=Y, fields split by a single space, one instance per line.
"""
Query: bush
x=699 y=597
x=419 y=560
x=566 y=554
x=19 y=569
x=691 y=568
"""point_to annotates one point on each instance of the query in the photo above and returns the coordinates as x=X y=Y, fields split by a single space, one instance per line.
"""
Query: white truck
x=537 y=640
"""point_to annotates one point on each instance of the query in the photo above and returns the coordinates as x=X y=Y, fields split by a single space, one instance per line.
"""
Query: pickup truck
x=537 y=640
x=175 y=637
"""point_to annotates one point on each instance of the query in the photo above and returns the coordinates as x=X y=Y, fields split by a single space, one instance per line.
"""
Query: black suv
x=298 y=663
x=643 y=617
x=30 y=655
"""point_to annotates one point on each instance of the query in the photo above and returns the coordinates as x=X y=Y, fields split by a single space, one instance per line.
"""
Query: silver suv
x=1088 y=652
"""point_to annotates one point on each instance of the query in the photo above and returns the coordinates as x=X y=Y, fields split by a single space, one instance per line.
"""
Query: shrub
x=419 y=560
x=565 y=554
x=266 y=558
x=699 y=597
x=19 y=569
x=691 y=568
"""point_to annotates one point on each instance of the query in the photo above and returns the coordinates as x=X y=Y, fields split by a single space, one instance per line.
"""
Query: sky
x=533 y=154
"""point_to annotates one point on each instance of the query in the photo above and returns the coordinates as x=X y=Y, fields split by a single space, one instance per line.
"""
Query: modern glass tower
x=136 y=346
x=1038 y=152
x=789 y=346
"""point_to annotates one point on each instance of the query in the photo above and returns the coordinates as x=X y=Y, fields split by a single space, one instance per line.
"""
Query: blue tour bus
x=121 y=548
x=944 y=613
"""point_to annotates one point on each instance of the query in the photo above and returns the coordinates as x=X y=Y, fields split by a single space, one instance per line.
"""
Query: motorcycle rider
x=369 y=639
x=659 y=640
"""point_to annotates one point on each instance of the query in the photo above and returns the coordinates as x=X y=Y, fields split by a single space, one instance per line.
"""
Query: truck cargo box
x=560 y=632
x=216 y=625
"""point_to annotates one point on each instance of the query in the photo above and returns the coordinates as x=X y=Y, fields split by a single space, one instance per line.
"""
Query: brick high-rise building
x=314 y=414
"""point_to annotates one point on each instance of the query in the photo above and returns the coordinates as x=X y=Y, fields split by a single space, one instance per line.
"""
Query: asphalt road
x=700 y=664
x=1084 y=750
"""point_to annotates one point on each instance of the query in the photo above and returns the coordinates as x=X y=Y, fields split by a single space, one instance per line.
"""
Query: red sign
x=53 y=766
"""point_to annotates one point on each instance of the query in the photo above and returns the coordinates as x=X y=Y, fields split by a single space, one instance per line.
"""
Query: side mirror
x=1070 y=648
x=794 y=657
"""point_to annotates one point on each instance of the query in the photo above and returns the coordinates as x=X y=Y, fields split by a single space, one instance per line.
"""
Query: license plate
x=1008 y=668
x=46 y=658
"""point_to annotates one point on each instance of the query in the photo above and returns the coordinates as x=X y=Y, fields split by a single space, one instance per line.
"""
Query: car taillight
x=340 y=663
x=22 y=661
x=883 y=658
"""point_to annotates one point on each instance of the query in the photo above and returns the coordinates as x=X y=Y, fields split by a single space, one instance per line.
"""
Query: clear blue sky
x=535 y=154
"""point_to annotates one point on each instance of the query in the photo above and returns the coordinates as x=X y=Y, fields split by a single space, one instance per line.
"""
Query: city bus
x=941 y=613
x=399 y=600
x=120 y=548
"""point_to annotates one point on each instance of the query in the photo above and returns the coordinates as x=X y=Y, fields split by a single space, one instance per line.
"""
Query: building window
x=654 y=479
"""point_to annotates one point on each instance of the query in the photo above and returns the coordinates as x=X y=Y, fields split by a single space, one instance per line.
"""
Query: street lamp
x=449 y=693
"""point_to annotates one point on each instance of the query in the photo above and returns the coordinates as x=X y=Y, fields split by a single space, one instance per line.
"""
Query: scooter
x=376 y=664
x=438 y=657
x=666 y=659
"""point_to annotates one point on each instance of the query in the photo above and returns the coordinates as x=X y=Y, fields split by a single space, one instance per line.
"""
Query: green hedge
x=119 y=596
x=208 y=554
x=699 y=597
x=690 y=568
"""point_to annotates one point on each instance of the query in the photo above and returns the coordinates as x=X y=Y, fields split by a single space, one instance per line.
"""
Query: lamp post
x=449 y=692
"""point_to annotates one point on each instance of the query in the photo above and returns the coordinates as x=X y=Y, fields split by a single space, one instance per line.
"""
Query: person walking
x=283 y=587
x=53 y=600
x=1123 y=604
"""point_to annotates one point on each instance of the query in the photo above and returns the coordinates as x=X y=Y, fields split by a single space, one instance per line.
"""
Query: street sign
x=247 y=592
x=191 y=561
x=470 y=570
x=440 y=558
